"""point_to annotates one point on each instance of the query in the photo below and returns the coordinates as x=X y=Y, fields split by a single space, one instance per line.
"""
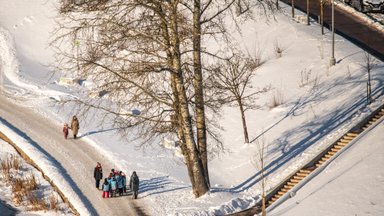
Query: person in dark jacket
x=124 y=181
x=98 y=174
x=134 y=184
x=120 y=183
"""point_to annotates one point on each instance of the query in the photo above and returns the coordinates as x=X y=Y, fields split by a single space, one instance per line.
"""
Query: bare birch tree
x=259 y=161
x=207 y=22
x=234 y=82
x=207 y=17
x=138 y=54
x=368 y=65
x=133 y=50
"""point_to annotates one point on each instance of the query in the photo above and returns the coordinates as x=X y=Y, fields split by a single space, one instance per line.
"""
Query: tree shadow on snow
x=95 y=132
x=312 y=131
x=61 y=169
x=7 y=209
x=157 y=185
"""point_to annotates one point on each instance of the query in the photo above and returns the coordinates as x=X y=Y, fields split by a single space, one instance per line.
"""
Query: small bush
x=18 y=198
x=31 y=182
x=16 y=162
x=24 y=189
x=305 y=77
x=278 y=49
x=277 y=99
x=18 y=186
x=35 y=203
x=53 y=203
x=5 y=171
x=11 y=162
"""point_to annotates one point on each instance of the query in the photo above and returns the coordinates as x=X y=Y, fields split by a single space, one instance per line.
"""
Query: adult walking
x=98 y=174
x=134 y=185
x=75 y=126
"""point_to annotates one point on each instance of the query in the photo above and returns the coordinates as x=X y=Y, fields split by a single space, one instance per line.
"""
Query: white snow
x=352 y=184
x=45 y=190
x=313 y=115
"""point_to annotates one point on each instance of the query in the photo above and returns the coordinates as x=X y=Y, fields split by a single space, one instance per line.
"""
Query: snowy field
x=319 y=104
x=350 y=185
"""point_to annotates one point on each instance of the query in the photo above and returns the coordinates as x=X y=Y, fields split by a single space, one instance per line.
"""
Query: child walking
x=65 y=130
x=106 y=188
x=113 y=187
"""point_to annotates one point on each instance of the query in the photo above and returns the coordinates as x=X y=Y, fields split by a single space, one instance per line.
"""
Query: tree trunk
x=245 y=129
x=180 y=133
x=293 y=8
x=199 y=185
x=264 y=212
x=199 y=93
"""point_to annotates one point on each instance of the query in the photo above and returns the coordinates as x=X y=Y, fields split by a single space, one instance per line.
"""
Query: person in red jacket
x=65 y=130
x=106 y=188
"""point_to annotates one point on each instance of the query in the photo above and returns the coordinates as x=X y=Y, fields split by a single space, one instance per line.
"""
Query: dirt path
x=75 y=158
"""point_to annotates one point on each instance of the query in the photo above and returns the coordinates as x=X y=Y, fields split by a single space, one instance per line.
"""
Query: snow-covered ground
x=320 y=104
x=350 y=185
x=44 y=191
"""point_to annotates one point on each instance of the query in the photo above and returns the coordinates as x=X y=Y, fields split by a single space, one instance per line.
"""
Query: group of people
x=116 y=182
x=74 y=127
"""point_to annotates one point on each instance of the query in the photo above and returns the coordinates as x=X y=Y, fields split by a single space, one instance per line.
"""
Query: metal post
x=308 y=12
x=322 y=16
x=1 y=83
x=369 y=92
x=333 y=60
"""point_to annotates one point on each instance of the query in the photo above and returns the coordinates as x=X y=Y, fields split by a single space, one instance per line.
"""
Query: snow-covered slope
x=352 y=184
